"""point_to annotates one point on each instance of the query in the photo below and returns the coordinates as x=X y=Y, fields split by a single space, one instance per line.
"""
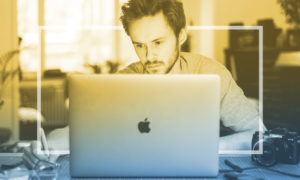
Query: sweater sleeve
x=237 y=112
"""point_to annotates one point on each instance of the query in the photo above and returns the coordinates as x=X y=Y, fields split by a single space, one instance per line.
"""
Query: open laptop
x=144 y=125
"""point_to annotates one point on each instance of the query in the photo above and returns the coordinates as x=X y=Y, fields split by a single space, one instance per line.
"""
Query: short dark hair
x=136 y=9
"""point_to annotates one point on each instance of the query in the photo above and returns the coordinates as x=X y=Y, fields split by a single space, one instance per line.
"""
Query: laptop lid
x=144 y=125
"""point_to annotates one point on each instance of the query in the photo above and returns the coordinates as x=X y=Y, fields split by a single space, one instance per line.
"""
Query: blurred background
x=57 y=37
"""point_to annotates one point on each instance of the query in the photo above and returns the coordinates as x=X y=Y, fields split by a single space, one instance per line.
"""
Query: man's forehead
x=149 y=28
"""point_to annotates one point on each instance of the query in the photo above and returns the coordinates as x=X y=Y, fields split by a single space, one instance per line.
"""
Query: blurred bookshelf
x=281 y=87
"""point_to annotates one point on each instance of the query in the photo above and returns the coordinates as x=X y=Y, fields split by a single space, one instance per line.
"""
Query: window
x=73 y=37
x=28 y=30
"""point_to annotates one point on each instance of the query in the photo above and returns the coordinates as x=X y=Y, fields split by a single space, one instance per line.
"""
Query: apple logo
x=144 y=126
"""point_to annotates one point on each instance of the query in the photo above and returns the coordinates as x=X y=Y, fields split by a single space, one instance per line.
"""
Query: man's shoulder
x=135 y=67
x=198 y=63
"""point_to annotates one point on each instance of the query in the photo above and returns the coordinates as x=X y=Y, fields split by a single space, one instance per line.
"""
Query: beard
x=155 y=67
x=159 y=66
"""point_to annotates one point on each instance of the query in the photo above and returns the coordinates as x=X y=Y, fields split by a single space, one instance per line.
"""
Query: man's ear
x=182 y=36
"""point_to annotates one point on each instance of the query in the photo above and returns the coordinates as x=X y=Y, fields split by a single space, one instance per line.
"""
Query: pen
x=44 y=142
x=233 y=166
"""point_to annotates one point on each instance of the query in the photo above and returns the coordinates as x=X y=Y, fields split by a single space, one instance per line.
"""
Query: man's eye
x=139 y=45
x=157 y=42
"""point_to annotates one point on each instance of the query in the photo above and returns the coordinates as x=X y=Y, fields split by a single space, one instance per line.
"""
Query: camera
x=279 y=146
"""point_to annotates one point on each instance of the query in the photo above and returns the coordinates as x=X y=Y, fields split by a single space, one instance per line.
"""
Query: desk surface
x=242 y=161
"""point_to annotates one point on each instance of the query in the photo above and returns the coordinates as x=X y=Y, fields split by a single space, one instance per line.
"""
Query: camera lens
x=267 y=158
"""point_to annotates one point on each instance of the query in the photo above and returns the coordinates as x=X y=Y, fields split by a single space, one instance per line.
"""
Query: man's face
x=155 y=43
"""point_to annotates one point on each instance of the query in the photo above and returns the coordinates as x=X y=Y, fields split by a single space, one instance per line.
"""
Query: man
x=157 y=29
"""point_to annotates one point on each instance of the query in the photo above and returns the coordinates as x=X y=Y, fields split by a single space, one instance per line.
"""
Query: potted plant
x=291 y=9
x=6 y=74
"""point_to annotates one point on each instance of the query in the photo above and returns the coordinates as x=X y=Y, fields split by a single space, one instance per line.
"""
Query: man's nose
x=150 y=54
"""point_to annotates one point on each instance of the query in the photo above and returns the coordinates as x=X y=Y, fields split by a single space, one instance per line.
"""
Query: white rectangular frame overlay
x=192 y=28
